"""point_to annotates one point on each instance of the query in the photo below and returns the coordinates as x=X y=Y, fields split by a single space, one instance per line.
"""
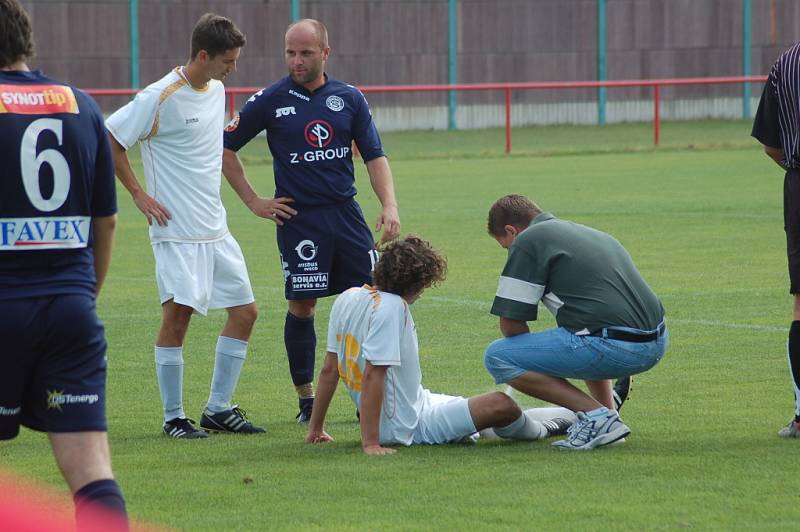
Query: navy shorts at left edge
x=53 y=361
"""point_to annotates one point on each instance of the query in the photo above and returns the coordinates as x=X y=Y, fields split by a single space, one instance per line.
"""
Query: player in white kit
x=178 y=122
x=372 y=347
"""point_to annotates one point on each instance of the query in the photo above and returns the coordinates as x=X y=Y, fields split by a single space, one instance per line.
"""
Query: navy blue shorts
x=791 y=224
x=325 y=251
x=53 y=363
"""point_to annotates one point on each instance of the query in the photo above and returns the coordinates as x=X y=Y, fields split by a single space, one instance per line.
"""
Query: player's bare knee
x=303 y=309
x=505 y=408
x=172 y=332
x=246 y=314
x=494 y=409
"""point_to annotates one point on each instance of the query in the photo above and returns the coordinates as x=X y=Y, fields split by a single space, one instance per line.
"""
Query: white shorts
x=202 y=275
x=443 y=419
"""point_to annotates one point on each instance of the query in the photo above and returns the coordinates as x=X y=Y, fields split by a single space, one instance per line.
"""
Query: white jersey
x=180 y=131
x=369 y=325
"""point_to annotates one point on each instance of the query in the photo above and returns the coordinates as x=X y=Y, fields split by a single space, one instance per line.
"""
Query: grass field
x=702 y=219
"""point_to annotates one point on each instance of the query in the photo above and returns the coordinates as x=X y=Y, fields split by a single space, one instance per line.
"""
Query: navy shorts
x=325 y=251
x=791 y=224
x=53 y=362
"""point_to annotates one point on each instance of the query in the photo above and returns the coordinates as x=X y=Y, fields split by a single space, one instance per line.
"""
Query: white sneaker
x=599 y=428
x=792 y=430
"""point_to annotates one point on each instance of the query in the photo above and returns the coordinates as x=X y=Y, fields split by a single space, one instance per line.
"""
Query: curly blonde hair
x=408 y=265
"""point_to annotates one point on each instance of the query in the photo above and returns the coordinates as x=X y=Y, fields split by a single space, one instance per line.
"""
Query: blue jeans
x=560 y=353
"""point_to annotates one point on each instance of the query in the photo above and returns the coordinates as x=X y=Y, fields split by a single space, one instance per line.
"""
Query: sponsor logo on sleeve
x=254 y=96
x=10 y=412
x=37 y=99
x=334 y=103
x=233 y=124
x=66 y=232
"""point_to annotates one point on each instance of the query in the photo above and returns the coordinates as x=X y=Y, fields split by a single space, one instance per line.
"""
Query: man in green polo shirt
x=610 y=323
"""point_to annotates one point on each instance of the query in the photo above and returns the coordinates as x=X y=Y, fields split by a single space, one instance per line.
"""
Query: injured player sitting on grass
x=372 y=347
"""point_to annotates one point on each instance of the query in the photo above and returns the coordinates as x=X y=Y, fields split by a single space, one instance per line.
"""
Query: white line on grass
x=486 y=306
x=712 y=323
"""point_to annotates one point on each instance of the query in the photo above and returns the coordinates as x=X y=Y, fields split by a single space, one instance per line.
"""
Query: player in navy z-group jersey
x=326 y=246
x=57 y=219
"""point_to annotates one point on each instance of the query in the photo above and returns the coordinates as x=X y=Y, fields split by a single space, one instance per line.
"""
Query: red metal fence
x=507 y=89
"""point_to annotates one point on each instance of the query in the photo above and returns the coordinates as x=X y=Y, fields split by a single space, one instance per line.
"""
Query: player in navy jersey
x=57 y=219
x=312 y=123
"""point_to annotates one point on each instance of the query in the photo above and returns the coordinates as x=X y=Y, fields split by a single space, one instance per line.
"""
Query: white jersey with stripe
x=179 y=129
x=369 y=325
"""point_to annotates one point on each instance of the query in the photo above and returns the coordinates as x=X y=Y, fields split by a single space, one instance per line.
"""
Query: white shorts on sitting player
x=443 y=419
x=205 y=275
x=447 y=419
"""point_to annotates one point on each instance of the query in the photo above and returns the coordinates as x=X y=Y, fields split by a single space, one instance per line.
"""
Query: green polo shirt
x=584 y=277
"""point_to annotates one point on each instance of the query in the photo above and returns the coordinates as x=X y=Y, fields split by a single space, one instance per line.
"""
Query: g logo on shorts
x=306 y=250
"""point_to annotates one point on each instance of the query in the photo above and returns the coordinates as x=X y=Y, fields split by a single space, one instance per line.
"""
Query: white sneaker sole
x=608 y=438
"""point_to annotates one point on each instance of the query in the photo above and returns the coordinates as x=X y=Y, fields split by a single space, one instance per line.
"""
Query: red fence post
x=231 y=105
x=656 y=114
x=508 y=120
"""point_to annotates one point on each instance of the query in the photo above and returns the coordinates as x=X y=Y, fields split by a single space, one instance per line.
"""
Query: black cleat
x=232 y=421
x=306 y=405
x=557 y=426
x=622 y=391
x=183 y=428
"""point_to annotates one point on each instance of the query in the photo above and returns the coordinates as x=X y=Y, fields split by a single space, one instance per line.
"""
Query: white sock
x=227 y=366
x=524 y=428
x=545 y=413
x=169 y=370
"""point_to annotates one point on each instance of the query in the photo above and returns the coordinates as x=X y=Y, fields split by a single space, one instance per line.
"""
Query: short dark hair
x=512 y=209
x=216 y=35
x=408 y=265
x=16 y=36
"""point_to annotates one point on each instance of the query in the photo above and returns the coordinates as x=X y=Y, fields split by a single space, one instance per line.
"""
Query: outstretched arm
x=372 y=386
x=326 y=387
x=380 y=177
x=152 y=209
x=275 y=209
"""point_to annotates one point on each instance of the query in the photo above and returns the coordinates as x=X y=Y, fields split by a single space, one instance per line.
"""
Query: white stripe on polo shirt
x=518 y=290
x=552 y=303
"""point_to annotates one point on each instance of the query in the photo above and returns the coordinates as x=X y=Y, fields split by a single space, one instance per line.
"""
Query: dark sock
x=105 y=496
x=301 y=345
x=794 y=362
x=305 y=402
